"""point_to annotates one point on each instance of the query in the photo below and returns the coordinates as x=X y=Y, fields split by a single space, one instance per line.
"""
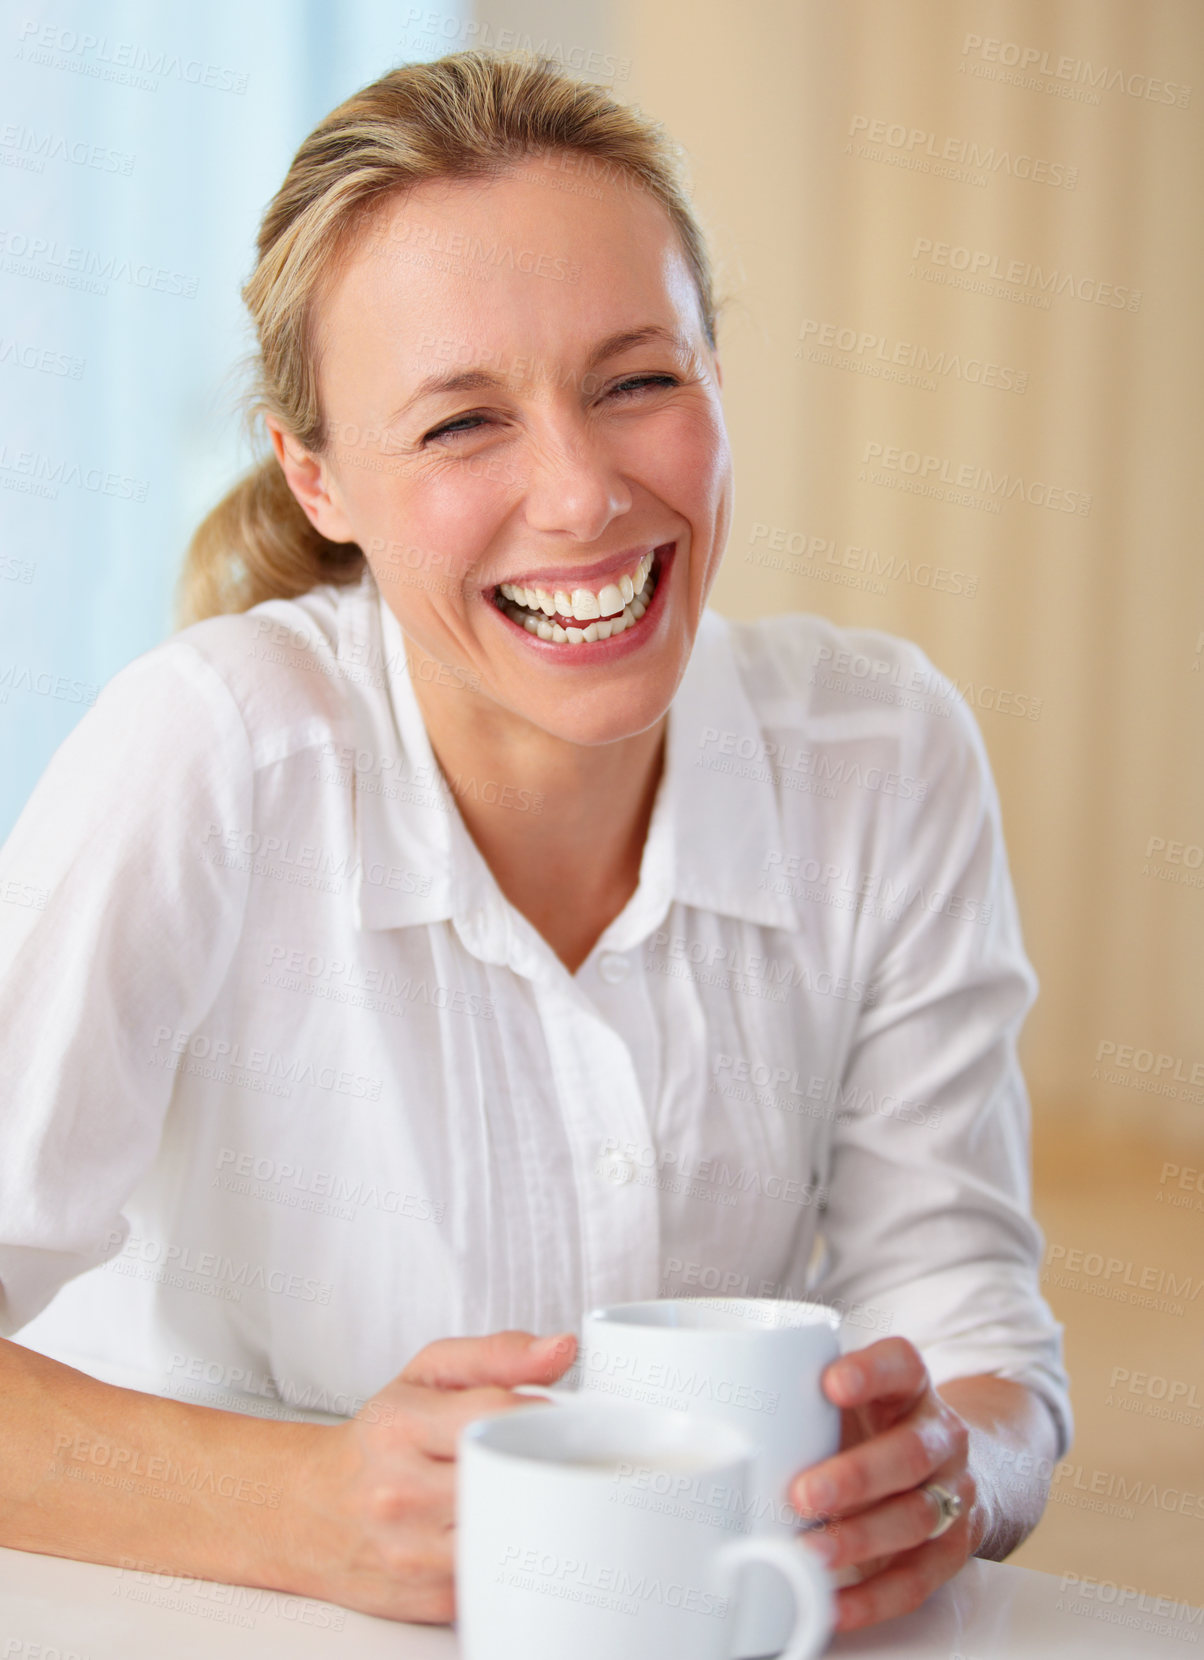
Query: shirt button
x=616 y=1168
x=613 y=968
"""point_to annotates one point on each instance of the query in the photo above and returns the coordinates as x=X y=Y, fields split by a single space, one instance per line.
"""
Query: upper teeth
x=583 y=603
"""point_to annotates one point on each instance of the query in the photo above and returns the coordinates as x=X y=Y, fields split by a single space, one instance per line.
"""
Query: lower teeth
x=602 y=629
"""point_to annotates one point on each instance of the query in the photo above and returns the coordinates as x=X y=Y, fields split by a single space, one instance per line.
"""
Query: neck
x=561 y=825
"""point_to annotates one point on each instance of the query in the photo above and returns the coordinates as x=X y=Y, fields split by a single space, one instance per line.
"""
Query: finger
x=892 y=1462
x=438 y=1416
x=503 y=1357
x=901 y=1587
x=891 y=1369
x=898 y=1524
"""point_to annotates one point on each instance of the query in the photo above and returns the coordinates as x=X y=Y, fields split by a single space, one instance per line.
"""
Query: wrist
x=297 y=1545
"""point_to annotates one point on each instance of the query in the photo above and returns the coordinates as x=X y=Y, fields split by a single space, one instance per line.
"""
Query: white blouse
x=290 y=1089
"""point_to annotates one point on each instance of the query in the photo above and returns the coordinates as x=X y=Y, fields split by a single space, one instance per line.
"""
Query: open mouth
x=586 y=615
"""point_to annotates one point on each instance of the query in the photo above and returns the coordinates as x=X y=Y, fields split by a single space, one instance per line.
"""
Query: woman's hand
x=372 y=1518
x=897 y=1434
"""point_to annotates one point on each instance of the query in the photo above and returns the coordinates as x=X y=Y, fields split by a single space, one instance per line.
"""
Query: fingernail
x=545 y=1347
x=815 y=1493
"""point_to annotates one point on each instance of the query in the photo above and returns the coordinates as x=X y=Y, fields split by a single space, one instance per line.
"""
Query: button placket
x=604 y=1113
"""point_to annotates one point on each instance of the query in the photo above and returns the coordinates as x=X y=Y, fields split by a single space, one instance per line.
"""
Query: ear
x=306 y=476
x=719 y=372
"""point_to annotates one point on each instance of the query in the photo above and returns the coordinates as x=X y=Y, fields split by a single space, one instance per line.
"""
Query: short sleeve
x=928 y=1228
x=113 y=927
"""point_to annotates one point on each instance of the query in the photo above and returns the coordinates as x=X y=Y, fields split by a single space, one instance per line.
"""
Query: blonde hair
x=469 y=114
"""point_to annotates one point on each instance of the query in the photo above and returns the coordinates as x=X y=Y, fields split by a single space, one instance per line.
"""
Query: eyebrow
x=485 y=380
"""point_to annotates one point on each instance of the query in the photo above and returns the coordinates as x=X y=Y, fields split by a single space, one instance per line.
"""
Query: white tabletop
x=55 y=1609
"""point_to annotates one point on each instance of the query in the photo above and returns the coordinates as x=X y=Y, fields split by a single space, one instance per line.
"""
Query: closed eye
x=625 y=388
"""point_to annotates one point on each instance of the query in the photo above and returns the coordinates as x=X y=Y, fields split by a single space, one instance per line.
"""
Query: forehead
x=532 y=266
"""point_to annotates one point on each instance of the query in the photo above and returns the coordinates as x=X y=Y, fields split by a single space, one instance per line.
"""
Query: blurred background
x=960 y=242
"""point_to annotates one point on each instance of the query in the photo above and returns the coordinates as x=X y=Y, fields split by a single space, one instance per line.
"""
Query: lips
x=566 y=620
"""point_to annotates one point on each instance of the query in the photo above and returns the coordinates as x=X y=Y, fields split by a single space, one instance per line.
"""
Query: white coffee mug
x=595 y=1530
x=753 y=1361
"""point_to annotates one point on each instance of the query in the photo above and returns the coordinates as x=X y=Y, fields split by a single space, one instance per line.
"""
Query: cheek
x=694 y=463
x=447 y=519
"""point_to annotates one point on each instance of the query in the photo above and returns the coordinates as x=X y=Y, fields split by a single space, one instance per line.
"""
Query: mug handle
x=546 y=1392
x=808 y=1580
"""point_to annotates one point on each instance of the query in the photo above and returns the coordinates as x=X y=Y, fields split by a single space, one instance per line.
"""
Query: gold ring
x=948 y=1504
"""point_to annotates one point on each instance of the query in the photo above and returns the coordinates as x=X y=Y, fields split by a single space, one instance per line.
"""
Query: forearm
x=1010 y=1427
x=103 y=1474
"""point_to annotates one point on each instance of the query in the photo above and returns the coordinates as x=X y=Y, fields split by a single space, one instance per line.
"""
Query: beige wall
x=1093 y=622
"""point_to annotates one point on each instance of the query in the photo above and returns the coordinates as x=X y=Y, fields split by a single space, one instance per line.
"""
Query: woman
x=457 y=925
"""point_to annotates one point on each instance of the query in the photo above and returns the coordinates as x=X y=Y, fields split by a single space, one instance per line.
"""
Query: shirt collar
x=416 y=862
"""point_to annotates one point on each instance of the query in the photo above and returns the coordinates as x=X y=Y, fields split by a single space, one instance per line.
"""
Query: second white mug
x=593 y=1530
x=754 y=1362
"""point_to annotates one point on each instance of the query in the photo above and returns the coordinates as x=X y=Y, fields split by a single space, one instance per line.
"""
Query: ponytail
x=258 y=544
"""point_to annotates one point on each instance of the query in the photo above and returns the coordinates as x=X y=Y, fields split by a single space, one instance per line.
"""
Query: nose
x=574 y=487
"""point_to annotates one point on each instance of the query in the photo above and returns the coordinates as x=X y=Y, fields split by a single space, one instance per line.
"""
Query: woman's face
x=525 y=431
